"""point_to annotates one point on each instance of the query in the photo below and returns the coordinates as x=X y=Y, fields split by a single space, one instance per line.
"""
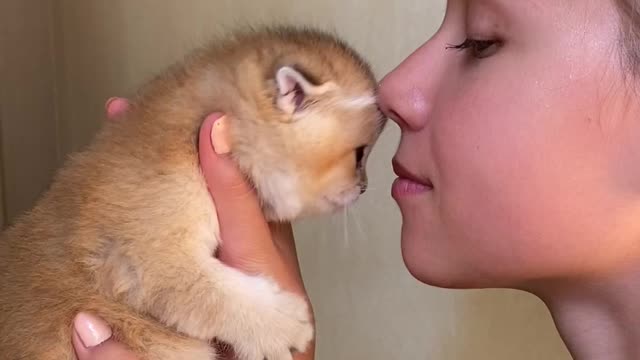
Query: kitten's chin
x=323 y=206
x=273 y=216
x=286 y=209
x=341 y=200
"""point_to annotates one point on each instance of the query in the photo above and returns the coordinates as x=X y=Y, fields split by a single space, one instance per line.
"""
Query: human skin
x=518 y=163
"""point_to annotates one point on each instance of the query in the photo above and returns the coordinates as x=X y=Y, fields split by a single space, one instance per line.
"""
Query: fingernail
x=220 y=136
x=109 y=101
x=91 y=330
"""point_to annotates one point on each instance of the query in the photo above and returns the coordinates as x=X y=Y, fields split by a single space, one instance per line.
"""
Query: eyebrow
x=505 y=7
x=489 y=11
x=493 y=5
x=506 y=10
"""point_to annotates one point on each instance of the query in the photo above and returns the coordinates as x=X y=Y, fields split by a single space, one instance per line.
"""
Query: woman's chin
x=436 y=266
x=422 y=259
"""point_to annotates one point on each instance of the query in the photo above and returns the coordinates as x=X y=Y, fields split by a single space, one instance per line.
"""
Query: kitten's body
x=128 y=228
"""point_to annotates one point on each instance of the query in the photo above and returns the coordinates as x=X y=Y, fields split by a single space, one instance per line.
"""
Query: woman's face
x=526 y=140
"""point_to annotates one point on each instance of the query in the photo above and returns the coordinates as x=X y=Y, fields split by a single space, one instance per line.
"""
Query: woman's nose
x=405 y=94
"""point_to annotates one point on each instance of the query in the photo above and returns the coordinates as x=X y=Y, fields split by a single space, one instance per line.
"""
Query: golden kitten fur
x=128 y=228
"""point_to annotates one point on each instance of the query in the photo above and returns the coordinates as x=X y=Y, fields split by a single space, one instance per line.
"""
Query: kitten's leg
x=203 y=298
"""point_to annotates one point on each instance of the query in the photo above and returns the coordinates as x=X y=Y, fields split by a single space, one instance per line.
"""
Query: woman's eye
x=479 y=48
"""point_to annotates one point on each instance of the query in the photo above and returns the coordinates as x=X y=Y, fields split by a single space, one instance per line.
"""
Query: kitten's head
x=316 y=120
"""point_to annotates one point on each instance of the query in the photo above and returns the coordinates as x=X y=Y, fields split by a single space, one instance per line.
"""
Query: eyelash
x=477 y=47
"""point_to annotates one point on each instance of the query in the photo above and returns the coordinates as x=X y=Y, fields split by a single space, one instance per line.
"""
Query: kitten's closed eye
x=359 y=156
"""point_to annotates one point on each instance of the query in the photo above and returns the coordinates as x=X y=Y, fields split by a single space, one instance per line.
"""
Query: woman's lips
x=407 y=182
x=405 y=187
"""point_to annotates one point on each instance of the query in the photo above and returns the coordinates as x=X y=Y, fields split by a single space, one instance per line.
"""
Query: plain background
x=59 y=62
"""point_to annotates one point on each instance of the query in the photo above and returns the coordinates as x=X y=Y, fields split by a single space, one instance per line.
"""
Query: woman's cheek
x=487 y=187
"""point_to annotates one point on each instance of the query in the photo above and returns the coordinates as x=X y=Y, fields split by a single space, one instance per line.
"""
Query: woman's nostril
x=393 y=115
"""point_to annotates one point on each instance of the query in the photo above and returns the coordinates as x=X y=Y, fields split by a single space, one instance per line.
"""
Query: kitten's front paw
x=284 y=325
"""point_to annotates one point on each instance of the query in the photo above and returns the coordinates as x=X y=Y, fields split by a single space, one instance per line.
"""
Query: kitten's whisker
x=344 y=228
x=359 y=227
x=333 y=225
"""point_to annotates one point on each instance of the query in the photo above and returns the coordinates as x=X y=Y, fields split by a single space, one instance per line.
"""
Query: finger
x=227 y=184
x=109 y=350
x=283 y=239
x=239 y=213
x=92 y=340
x=116 y=107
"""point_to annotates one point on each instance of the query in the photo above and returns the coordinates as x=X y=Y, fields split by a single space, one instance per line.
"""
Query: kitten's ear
x=293 y=89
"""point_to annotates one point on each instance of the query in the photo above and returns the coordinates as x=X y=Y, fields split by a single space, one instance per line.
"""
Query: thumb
x=243 y=227
x=92 y=340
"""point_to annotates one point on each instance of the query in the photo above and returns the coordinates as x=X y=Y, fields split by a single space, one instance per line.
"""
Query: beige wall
x=368 y=306
x=27 y=101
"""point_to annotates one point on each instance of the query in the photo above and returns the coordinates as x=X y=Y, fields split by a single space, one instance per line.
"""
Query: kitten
x=128 y=228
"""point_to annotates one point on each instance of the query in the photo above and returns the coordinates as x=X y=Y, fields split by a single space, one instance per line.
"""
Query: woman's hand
x=250 y=244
